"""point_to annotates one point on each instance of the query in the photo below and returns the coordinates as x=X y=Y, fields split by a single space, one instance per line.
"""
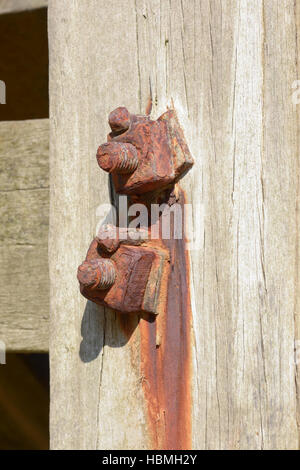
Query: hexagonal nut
x=135 y=281
x=161 y=156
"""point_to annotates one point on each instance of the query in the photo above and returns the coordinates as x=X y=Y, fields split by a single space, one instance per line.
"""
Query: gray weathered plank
x=77 y=187
x=228 y=67
x=12 y=6
x=24 y=213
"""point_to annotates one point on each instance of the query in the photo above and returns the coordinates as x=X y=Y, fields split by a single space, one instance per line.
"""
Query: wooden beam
x=24 y=211
x=228 y=68
x=13 y=6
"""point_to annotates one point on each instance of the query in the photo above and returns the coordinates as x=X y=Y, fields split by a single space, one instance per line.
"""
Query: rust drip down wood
x=134 y=272
x=166 y=358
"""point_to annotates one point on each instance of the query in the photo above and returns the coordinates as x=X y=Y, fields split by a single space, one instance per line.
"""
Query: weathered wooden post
x=227 y=68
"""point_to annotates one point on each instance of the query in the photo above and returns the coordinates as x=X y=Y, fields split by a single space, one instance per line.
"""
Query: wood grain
x=11 y=6
x=24 y=212
x=228 y=67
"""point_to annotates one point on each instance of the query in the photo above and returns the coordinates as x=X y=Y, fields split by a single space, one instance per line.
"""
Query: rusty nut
x=144 y=155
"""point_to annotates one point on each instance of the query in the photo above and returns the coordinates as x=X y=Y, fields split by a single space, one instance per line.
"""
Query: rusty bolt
x=119 y=119
x=110 y=237
x=117 y=157
x=154 y=154
x=97 y=273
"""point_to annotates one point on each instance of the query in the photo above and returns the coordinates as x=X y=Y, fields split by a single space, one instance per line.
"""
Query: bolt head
x=119 y=119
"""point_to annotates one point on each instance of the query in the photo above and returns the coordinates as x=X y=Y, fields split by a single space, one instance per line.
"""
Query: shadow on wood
x=103 y=327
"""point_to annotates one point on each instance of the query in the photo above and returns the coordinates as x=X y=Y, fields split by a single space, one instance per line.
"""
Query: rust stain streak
x=166 y=359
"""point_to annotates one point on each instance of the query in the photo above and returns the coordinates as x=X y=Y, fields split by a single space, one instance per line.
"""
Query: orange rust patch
x=166 y=359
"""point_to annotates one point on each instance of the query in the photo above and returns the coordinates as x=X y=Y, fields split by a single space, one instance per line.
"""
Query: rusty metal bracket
x=125 y=269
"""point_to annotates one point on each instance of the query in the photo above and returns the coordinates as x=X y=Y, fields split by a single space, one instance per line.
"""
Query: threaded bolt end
x=97 y=273
x=127 y=161
x=117 y=157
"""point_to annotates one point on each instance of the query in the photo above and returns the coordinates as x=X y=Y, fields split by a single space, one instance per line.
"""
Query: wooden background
x=24 y=212
x=228 y=66
x=24 y=176
x=11 y=6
